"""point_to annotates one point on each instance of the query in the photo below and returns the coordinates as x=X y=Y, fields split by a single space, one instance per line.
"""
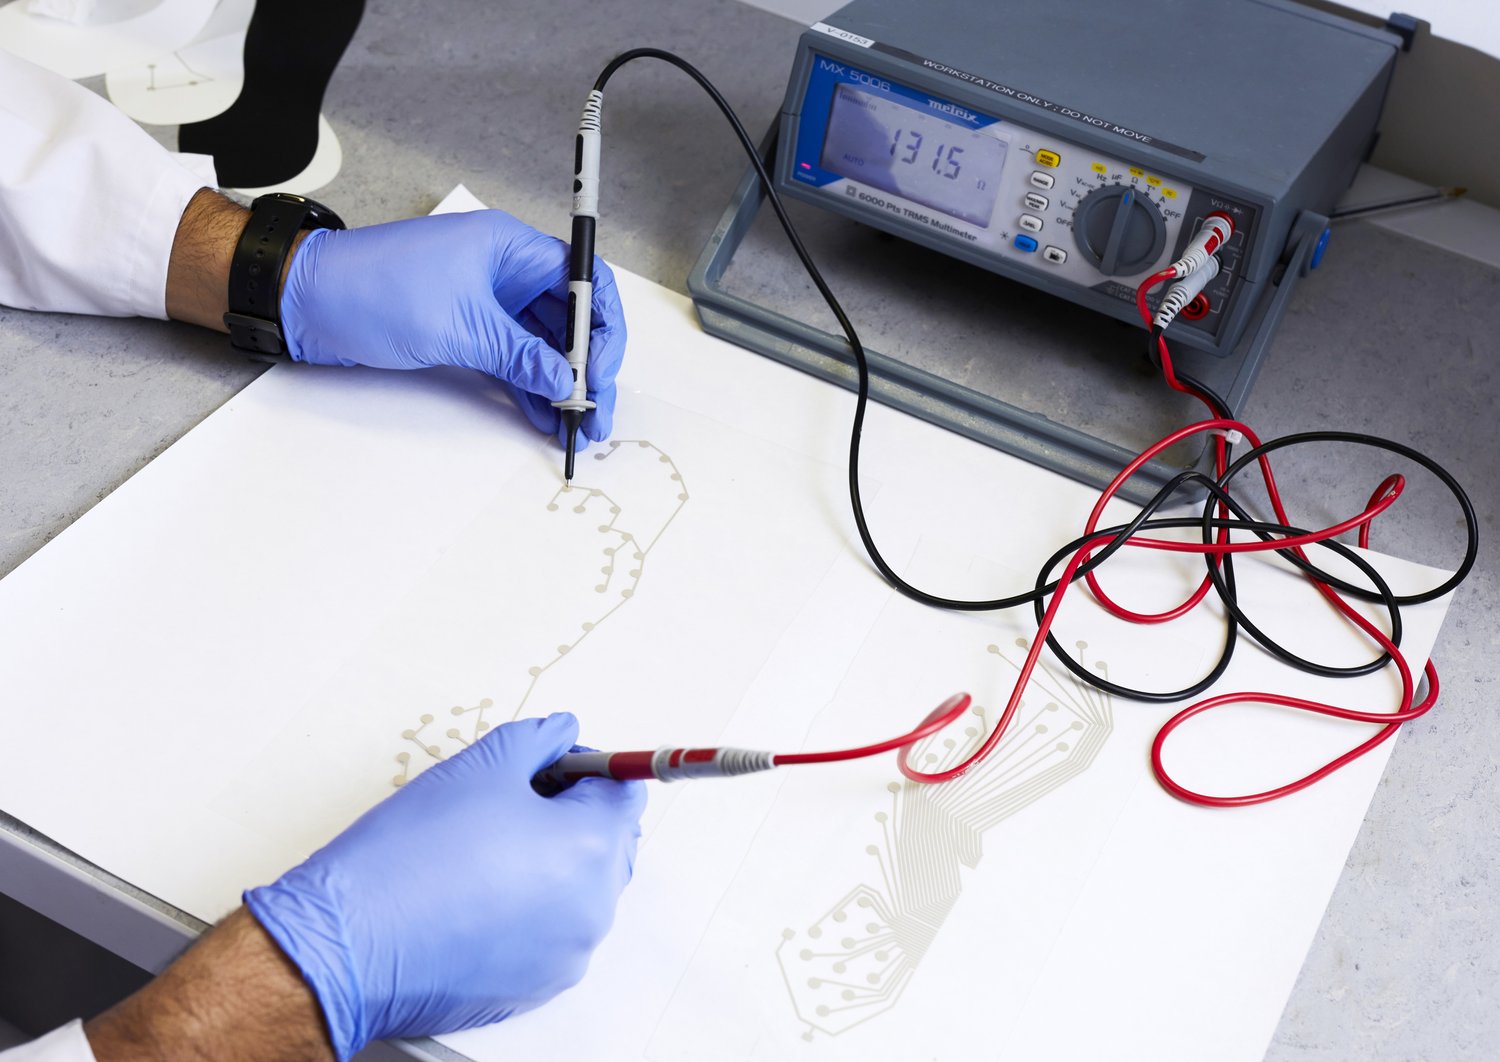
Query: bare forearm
x=198 y=272
x=234 y=995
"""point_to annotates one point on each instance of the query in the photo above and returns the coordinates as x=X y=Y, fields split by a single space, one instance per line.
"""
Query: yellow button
x=1170 y=193
x=1153 y=180
x=1048 y=158
x=1136 y=171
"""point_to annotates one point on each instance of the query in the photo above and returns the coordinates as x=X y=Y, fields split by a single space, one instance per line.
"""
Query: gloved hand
x=481 y=290
x=461 y=899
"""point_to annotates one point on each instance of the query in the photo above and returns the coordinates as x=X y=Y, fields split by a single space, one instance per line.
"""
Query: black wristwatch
x=254 y=317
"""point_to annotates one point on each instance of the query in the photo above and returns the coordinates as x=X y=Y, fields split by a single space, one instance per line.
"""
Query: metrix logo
x=956 y=111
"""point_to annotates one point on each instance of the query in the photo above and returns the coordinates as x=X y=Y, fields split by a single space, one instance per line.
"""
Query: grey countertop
x=1391 y=336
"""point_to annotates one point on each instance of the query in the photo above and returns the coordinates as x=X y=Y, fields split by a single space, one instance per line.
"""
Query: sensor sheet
x=343 y=576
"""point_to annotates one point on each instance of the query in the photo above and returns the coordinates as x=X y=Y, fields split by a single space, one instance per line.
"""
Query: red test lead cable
x=669 y=763
x=1188 y=275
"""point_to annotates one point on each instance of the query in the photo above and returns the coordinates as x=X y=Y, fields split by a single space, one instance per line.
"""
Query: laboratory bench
x=1391 y=335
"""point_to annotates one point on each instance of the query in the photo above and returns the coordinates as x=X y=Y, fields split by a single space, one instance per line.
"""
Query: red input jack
x=1197 y=309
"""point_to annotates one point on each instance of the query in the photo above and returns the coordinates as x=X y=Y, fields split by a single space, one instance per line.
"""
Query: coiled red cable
x=1384 y=496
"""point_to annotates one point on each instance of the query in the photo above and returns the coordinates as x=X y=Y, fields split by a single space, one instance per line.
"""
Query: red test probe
x=672 y=764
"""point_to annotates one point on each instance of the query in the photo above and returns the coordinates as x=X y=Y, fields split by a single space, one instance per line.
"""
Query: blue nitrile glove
x=461 y=899
x=481 y=290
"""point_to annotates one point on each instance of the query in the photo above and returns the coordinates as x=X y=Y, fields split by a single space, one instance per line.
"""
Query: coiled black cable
x=1220 y=568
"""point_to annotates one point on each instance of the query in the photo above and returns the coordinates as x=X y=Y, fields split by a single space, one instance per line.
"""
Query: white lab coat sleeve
x=89 y=204
x=67 y=1044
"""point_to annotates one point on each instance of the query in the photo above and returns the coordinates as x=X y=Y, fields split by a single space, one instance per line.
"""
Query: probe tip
x=571 y=419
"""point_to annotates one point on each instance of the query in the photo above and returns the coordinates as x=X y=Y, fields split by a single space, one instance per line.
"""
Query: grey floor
x=1392 y=334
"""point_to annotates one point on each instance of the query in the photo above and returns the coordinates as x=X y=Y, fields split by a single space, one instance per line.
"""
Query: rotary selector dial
x=1119 y=229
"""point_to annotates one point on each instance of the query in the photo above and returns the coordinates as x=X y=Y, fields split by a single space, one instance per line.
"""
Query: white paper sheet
x=252 y=639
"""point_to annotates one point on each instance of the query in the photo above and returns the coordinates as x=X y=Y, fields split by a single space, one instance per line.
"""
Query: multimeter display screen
x=915 y=154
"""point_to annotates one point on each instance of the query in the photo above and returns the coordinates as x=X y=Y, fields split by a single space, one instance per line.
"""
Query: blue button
x=1025 y=243
x=1317 y=254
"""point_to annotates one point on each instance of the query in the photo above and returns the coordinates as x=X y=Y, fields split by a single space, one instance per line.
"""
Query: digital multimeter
x=1006 y=196
x=1075 y=146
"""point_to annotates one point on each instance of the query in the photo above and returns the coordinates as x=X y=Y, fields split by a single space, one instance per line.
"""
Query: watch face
x=318 y=215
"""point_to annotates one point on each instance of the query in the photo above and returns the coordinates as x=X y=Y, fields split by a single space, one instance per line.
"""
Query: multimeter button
x=1031 y=223
x=1050 y=159
x=1035 y=202
x=1025 y=243
x=1055 y=255
x=1040 y=179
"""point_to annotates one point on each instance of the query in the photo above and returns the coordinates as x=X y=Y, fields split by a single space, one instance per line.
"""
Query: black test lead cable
x=1219 y=564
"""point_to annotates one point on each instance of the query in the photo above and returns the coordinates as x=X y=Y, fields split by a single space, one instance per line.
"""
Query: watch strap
x=254 y=317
